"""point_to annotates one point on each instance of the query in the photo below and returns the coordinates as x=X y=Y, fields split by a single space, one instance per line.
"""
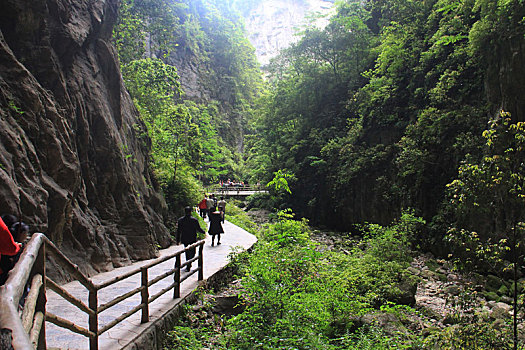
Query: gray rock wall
x=73 y=153
x=273 y=24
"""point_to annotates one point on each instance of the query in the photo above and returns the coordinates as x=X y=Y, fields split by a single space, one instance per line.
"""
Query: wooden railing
x=28 y=330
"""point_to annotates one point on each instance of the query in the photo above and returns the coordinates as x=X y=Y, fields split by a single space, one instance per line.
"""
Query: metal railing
x=28 y=328
x=235 y=189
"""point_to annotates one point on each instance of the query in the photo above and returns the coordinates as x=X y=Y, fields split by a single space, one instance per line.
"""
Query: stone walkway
x=118 y=337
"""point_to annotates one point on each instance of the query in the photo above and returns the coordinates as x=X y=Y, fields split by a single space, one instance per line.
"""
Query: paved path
x=215 y=258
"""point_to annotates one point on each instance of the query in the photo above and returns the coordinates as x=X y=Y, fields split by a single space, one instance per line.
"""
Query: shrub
x=238 y=217
x=299 y=297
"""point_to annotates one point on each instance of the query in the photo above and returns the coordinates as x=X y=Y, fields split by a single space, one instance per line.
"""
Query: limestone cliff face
x=73 y=153
x=273 y=24
x=505 y=77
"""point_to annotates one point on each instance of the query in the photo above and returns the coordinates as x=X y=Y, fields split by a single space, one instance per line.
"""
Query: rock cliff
x=273 y=24
x=73 y=154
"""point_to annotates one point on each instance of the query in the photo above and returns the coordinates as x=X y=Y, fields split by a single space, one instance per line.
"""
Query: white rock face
x=273 y=25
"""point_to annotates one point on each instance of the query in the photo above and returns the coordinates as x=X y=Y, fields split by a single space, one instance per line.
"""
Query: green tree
x=490 y=197
x=279 y=182
x=145 y=26
x=191 y=138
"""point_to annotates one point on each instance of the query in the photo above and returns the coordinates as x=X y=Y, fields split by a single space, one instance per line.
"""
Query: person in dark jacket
x=187 y=228
x=215 y=226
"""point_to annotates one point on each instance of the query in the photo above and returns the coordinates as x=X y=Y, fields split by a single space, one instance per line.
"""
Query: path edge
x=153 y=336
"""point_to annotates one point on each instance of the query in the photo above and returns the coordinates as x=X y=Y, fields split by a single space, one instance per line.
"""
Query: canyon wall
x=273 y=24
x=73 y=152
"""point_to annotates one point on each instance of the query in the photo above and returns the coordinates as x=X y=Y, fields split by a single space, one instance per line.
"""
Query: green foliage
x=376 y=269
x=493 y=189
x=183 y=189
x=279 y=182
x=283 y=293
x=374 y=338
x=190 y=332
x=238 y=217
x=129 y=34
x=139 y=19
x=154 y=86
x=212 y=38
x=375 y=112
x=188 y=139
x=500 y=22
x=11 y=104
x=475 y=335
x=298 y=297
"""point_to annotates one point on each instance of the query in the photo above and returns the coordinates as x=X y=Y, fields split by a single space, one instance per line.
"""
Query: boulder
x=388 y=322
x=500 y=310
x=227 y=305
x=453 y=289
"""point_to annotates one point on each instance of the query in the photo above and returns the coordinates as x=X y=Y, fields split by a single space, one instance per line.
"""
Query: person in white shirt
x=222 y=208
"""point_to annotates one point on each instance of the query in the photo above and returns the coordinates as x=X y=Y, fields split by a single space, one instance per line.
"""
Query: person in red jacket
x=8 y=246
x=203 y=207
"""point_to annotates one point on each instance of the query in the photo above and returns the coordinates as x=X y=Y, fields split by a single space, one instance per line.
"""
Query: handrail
x=12 y=291
x=235 y=189
x=29 y=332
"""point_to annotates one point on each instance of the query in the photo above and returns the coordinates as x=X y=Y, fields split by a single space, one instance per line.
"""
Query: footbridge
x=129 y=308
x=234 y=191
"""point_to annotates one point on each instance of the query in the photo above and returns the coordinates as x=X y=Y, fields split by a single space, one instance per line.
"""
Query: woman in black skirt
x=215 y=226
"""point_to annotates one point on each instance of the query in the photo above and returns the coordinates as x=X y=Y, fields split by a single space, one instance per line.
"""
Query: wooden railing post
x=145 y=295
x=201 y=263
x=93 y=319
x=176 y=278
x=42 y=298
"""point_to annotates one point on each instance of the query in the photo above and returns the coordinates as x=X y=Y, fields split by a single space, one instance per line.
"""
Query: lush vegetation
x=297 y=295
x=396 y=105
x=376 y=112
x=194 y=140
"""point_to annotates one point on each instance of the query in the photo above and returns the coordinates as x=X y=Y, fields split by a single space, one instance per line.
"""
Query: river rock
x=388 y=322
x=453 y=289
x=500 y=310
x=407 y=295
x=227 y=305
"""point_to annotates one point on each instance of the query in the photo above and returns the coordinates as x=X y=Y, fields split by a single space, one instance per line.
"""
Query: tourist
x=11 y=239
x=222 y=208
x=215 y=226
x=187 y=228
x=203 y=207
x=210 y=203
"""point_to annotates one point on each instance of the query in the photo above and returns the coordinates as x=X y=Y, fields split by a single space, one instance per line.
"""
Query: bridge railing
x=224 y=189
x=28 y=330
